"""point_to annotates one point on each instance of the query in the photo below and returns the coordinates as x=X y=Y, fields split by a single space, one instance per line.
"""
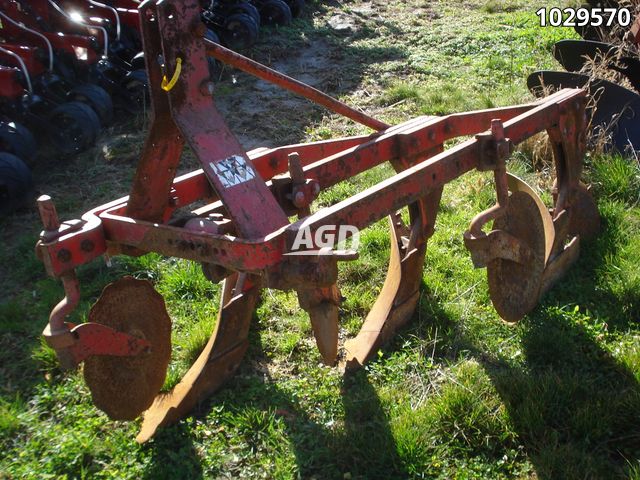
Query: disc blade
x=515 y=287
x=123 y=387
x=516 y=184
x=612 y=101
x=573 y=54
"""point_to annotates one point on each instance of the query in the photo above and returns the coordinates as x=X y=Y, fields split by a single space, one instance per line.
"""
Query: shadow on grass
x=573 y=405
x=369 y=449
x=174 y=455
x=362 y=447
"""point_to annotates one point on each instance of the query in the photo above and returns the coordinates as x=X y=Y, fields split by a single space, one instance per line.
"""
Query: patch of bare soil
x=263 y=114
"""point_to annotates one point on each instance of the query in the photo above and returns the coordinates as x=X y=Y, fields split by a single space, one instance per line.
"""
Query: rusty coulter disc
x=514 y=287
x=123 y=387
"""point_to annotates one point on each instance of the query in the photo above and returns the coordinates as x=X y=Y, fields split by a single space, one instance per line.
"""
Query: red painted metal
x=10 y=83
x=97 y=339
x=109 y=223
x=35 y=17
x=150 y=192
x=73 y=344
x=29 y=55
x=247 y=199
x=251 y=195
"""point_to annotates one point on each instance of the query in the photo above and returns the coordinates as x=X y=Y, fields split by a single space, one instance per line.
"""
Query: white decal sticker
x=233 y=171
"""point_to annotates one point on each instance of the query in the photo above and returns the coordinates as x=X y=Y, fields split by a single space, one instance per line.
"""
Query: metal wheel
x=123 y=387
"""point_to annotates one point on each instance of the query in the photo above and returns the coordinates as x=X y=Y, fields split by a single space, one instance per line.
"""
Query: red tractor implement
x=252 y=211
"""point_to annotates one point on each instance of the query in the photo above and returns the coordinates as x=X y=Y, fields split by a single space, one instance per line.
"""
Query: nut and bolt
x=87 y=246
x=64 y=255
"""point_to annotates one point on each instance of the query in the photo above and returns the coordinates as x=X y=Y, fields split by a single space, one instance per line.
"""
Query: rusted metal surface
x=584 y=218
x=400 y=293
x=231 y=173
x=494 y=151
x=346 y=163
x=125 y=386
x=516 y=184
x=497 y=244
x=151 y=187
x=322 y=306
x=243 y=233
x=217 y=362
x=515 y=286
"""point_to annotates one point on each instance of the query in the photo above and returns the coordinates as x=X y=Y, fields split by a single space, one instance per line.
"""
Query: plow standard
x=257 y=203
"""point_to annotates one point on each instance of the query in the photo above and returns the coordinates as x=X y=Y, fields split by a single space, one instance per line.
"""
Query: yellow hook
x=168 y=85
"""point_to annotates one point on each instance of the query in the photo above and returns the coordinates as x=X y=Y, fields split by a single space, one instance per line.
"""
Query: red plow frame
x=244 y=237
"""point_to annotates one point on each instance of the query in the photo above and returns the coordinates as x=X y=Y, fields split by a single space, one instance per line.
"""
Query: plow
x=242 y=215
x=606 y=63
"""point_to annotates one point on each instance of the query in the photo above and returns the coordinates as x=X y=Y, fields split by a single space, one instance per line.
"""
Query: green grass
x=456 y=394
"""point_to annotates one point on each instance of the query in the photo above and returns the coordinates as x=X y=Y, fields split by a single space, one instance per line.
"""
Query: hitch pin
x=56 y=332
x=502 y=187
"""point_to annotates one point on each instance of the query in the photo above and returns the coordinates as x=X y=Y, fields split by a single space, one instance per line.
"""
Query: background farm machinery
x=66 y=64
x=606 y=62
x=245 y=211
x=61 y=71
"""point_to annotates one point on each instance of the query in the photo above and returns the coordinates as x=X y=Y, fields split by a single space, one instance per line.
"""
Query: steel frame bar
x=109 y=227
x=316 y=96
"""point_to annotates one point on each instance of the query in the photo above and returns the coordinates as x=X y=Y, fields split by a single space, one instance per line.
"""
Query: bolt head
x=298 y=199
x=207 y=88
x=64 y=255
